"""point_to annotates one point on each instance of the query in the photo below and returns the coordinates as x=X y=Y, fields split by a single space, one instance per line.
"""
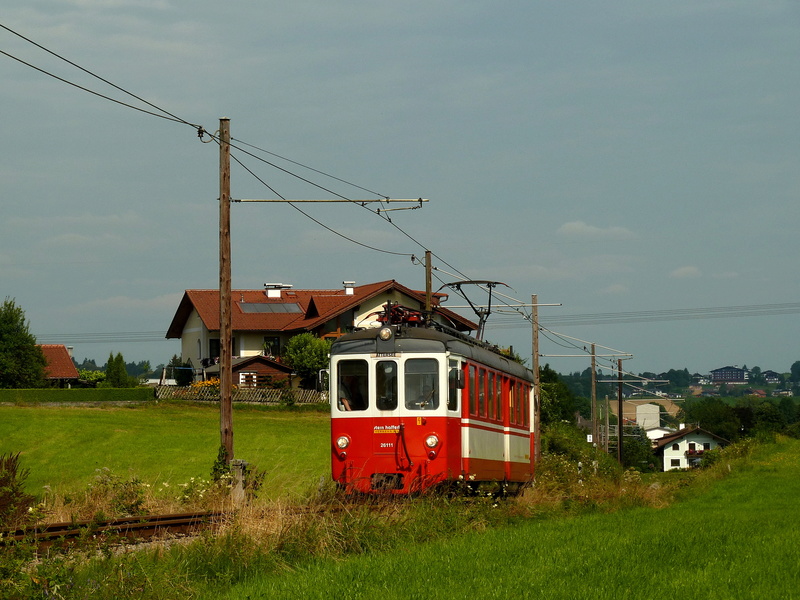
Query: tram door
x=386 y=427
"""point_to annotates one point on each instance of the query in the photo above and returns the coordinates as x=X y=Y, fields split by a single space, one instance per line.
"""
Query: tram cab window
x=421 y=384
x=455 y=382
x=386 y=385
x=352 y=385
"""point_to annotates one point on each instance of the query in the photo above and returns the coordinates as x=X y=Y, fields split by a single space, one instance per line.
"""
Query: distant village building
x=732 y=375
x=656 y=433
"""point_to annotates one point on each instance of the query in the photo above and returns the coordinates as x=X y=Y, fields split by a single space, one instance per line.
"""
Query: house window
x=706 y=445
x=272 y=346
x=248 y=379
x=692 y=447
x=213 y=347
x=676 y=447
x=675 y=462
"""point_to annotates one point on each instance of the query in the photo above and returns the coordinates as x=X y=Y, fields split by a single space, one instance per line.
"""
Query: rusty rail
x=130 y=528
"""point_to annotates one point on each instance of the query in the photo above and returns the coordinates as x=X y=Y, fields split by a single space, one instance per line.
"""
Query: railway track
x=128 y=528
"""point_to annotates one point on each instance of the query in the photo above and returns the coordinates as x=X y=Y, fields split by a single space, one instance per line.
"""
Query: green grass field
x=161 y=443
x=739 y=539
x=734 y=533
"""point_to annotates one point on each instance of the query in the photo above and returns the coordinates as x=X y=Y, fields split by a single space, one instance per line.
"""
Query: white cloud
x=615 y=289
x=584 y=230
x=687 y=272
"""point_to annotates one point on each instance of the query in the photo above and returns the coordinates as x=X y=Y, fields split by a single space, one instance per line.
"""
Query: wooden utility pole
x=225 y=334
x=428 y=285
x=594 y=396
x=619 y=411
x=537 y=442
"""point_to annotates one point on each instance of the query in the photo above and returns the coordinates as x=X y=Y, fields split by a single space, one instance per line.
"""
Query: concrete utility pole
x=225 y=334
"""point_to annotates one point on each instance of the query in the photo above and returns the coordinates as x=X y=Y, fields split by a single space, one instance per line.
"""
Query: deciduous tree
x=22 y=362
x=307 y=355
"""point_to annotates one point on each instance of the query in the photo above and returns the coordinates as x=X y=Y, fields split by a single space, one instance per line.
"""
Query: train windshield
x=352 y=385
x=385 y=385
x=421 y=384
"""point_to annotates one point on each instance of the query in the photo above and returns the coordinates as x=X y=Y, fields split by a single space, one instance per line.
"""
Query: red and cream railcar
x=415 y=407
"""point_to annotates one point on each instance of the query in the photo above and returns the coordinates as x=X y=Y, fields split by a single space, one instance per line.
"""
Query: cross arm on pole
x=370 y=201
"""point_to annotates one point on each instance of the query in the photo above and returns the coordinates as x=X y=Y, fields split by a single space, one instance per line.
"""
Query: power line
x=299 y=164
x=646 y=316
x=101 y=337
x=88 y=72
x=85 y=89
x=317 y=221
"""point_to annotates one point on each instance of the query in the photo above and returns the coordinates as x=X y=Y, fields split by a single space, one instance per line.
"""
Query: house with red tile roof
x=262 y=321
x=685 y=448
x=59 y=369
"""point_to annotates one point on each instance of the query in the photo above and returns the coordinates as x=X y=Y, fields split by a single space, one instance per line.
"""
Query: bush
x=14 y=502
x=123 y=498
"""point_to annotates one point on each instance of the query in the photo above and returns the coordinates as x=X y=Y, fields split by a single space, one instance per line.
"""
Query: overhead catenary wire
x=166 y=114
x=681 y=314
x=317 y=221
x=100 y=337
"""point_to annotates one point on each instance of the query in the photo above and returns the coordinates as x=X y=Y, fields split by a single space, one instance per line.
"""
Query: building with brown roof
x=59 y=369
x=685 y=448
x=262 y=321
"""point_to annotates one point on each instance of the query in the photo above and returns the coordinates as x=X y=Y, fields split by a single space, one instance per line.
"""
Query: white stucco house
x=685 y=448
x=264 y=320
x=656 y=433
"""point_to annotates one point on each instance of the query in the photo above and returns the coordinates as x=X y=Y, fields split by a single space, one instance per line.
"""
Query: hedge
x=37 y=396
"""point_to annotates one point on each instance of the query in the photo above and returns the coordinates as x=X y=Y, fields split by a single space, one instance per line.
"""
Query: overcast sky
x=633 y=158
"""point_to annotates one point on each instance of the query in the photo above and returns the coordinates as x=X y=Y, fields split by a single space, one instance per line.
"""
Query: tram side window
x=491 y=396
x=386 y=385
x=518 y=404
x=482 y=392
x=421 y=383
x=498 y=399
x=512 y=403
x=525 y=406
x=352 y=385
x=454 y=378
x=473 y=390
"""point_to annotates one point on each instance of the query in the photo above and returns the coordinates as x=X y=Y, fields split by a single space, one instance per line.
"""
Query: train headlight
x=342 y=442
x=431 y=441
x=385 y=334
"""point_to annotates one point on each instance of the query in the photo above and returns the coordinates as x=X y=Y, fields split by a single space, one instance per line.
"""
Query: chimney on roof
x=274 y=289
x=349 y=287
x=70 y=350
